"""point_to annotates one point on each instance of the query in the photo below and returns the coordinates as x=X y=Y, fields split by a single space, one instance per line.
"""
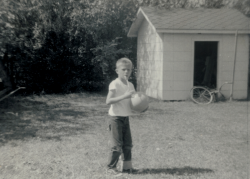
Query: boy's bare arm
x=111 y=99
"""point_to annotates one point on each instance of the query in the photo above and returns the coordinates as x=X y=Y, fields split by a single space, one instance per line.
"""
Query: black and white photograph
x=127 y=89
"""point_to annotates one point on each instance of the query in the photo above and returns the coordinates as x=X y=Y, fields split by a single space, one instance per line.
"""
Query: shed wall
x=149 y=61
x=178 y=64
x=226 y=65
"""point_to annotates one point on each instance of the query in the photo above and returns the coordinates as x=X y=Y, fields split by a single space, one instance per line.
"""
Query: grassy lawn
x=65 y=136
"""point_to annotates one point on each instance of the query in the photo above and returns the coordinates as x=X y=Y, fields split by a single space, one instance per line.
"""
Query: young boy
x=120 y=92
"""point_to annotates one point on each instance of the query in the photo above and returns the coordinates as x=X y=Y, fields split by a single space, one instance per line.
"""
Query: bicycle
x=205 y=95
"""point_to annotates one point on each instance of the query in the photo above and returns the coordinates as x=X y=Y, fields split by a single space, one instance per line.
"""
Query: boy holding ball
x=120 y=92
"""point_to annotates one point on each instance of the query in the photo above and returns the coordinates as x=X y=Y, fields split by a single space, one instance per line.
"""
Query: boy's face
x=124 y=71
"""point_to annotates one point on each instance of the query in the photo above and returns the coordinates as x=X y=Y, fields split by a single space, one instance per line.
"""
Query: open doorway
x=205 y=63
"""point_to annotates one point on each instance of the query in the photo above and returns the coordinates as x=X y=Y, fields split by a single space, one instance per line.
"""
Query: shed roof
x=225 y=20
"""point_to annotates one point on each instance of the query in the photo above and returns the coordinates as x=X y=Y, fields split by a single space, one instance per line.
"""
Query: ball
x=139 y=102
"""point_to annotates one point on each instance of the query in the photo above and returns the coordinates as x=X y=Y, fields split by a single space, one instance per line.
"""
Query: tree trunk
x=3 y=75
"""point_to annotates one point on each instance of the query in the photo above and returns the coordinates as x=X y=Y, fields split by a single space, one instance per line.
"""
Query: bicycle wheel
x=201 y=95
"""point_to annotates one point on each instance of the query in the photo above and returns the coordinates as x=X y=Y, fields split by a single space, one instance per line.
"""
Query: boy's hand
x=128 y=94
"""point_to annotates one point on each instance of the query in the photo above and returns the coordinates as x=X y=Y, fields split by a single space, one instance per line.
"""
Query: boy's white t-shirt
x=121 y=108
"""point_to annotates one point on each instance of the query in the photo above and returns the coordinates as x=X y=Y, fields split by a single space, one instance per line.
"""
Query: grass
x=65 y=136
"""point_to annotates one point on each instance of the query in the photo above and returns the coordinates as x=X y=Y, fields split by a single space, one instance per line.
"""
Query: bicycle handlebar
x=224 y=84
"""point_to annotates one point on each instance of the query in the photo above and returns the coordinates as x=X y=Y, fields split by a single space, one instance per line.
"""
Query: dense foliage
x=60 y=46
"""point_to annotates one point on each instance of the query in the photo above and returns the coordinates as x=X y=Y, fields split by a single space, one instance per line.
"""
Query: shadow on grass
x=27 y=119
x=175 y=171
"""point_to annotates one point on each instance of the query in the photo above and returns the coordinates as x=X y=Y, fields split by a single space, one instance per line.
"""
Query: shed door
x=205 y=63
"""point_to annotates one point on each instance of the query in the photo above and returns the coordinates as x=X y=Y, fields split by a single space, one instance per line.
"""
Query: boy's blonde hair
x=123 y=61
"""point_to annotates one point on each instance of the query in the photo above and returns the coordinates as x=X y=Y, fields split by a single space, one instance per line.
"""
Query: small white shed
x=180 y=48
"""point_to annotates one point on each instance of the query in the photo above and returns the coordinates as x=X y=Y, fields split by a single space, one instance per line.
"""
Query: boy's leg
x=127 y=147
x=115 y=127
